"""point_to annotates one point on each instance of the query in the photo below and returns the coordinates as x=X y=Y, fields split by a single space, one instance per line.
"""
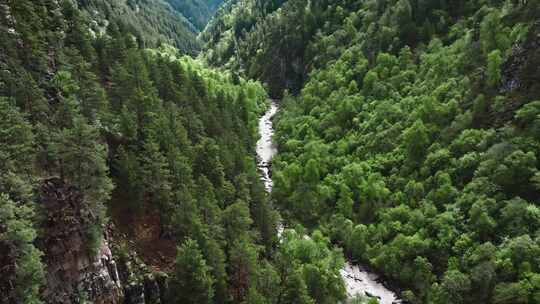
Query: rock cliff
x=73 y=272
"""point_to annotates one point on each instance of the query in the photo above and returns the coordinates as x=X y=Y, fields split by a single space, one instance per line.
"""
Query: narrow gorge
x=269 y=152
x=358 y=280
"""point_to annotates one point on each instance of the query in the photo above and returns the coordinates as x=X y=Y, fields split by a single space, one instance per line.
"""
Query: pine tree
x=129 y=176
x=82 y=163
x=295 y=290
x=242 y=267
x=83 y=160
x=17 y=153
x=216 y=261
x=25 y=274
x=77 y=34
x=192 y=281
x=155 y=172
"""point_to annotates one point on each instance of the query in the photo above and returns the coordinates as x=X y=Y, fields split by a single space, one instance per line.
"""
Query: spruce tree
x=192 y=281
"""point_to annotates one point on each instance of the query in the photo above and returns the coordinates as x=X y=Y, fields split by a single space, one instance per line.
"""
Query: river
x=357 y=279
x=266 y=148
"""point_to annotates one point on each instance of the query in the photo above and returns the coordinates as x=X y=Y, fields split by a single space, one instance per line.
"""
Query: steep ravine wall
x=73 y=274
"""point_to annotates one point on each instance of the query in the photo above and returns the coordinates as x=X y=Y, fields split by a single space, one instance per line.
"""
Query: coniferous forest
x=407 y=137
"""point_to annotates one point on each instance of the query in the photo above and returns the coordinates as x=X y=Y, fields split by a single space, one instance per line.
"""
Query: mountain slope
x=89 y=112
x=198 y=12
x=408 y=141
x=127 y=172
x=411 y=137
x=152 y=21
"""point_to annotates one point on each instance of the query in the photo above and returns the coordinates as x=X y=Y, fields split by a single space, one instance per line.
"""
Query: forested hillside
x=152 y=22
x=127 y=171
x=409 y=134
x=198 y=12
x=227 y=36
x=408 y=137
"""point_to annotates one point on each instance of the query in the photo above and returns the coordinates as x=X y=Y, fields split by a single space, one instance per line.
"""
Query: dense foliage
x=19 y=258
x=239 y=26
x=413 y=141
x=153 y=22
x=408 y=136
x=141 y=131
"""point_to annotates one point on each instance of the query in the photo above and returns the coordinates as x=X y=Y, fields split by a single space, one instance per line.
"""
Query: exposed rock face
x=520 y=72
x=153 y=290
x=72 y=272
x=520 y=76
x=8 y=271
x=141 y=285
x=146 y=292
x=135 y=293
